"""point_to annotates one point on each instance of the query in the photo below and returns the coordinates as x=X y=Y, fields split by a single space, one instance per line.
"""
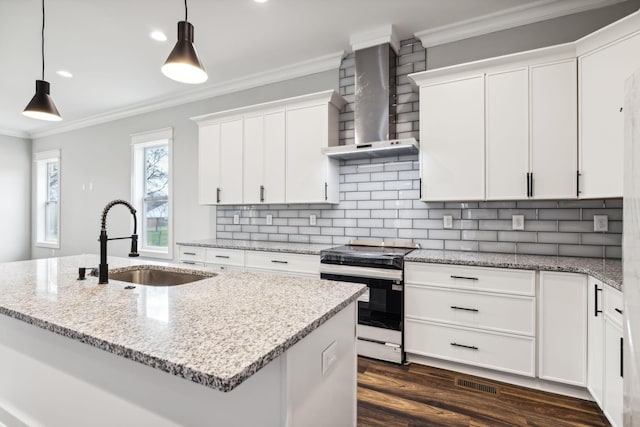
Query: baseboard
x=533 y=383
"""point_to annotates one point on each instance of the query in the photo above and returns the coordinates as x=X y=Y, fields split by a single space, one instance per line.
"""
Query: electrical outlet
x=329 y=357
x=517 y=222
x=236 y=219
x=600 y=223
x=312 y=220
x=447 y=221
x=269 y=219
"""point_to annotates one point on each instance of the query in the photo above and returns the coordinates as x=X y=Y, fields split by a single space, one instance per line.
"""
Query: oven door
x=381 y=305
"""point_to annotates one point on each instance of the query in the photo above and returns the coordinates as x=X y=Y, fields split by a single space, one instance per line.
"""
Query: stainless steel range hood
x=375 y=108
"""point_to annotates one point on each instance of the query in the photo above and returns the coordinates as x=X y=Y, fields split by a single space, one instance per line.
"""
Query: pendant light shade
x=183 y=64
x=41 y=105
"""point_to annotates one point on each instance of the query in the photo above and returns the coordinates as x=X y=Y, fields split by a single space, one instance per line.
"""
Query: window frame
x=41 y=161
x=139 y=142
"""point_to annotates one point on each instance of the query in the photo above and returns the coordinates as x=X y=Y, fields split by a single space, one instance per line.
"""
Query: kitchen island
x=237 y=349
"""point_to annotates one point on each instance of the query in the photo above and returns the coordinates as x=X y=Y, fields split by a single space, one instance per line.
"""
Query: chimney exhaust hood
x=375 y=108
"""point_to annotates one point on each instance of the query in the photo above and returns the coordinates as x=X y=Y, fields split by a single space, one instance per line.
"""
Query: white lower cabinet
x=563 y=328
x=470 y=315
x=613 y=356
x=283 y=262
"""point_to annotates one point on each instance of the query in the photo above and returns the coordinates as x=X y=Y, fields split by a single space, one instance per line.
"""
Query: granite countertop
x=607 y=270
x=216 y=332
x=256 y=245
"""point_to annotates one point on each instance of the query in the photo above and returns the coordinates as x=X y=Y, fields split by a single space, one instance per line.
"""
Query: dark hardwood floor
x=415 y=395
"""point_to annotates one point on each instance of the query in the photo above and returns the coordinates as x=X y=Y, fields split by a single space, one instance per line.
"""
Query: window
x=152 y=192
x=47 y=198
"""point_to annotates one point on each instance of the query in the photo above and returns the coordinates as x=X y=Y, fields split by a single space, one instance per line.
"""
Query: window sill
x=146 y=253
x=49 y=245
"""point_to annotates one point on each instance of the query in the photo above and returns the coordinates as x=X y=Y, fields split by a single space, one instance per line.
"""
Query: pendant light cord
x=43 y=39
x=186 y=10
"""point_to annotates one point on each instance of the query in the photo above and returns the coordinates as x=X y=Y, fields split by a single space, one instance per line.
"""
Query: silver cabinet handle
x=279 y=262
x=470 y=347
x=188 y=262
x=190 y=253
x=222 y=256
x=475 y=310
x=464 y=277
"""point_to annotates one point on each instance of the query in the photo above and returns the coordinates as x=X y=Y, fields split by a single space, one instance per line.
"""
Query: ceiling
x=116 y=65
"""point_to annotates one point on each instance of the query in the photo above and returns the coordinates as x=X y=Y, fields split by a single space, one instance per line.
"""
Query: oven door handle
x=368 y=272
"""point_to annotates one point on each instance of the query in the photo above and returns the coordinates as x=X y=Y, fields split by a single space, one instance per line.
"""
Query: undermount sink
x=155 y=276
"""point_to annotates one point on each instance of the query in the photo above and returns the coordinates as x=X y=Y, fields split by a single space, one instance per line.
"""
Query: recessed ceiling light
x=64 y=73
x=260 y=1
x=158 y=35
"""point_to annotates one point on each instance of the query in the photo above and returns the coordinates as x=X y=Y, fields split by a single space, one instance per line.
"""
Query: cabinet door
x=452 y=140
x=208 y=161
x=274 y=158
x=554 y=139
x=562 y=342
x=613 y=387
x=507 y=121
x=306 y=168
x=595 y=349
x=231 y=162
x=602 y=77
x=253 y=159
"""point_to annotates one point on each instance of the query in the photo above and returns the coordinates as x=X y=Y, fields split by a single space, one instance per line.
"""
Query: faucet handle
x=82 y=271
x=134 y=246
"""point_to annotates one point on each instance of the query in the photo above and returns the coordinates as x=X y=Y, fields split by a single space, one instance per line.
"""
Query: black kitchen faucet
x=104 y=267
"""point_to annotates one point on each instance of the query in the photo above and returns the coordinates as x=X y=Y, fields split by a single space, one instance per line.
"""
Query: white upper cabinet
x=230 y=162
x=311 y=176
x=271 y=153
x=452 y=140
x=606 y=59
x=507 y=124
x=507 y=134
x=554 y=139
x=208 y=173
x=264 y=159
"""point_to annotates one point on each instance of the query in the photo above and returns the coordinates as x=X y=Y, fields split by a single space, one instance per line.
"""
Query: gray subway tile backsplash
x=379 y=199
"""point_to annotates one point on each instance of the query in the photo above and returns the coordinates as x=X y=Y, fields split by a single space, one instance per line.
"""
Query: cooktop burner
x=368 y=254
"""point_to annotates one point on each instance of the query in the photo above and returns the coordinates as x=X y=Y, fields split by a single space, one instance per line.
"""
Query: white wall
x=96 y=167
x=533 y=36
x=15 y=189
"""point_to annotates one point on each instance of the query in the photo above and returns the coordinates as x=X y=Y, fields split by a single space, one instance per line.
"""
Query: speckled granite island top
x=257 y=245
x=607 y=270
x=216 y=332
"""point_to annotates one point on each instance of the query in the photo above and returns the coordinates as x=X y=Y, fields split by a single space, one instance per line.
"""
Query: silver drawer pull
x=475 y=310
x=222 y=256
x=279 y=262
x=188 y=262
x=470 y=347
x=190 y=253
x=464 y=277
x=618 y=310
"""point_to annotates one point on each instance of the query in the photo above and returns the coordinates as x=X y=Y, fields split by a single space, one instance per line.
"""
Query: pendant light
x=183 y=64
x=41 y=105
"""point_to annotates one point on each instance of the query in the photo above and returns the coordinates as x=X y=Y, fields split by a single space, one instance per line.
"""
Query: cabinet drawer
x=511 y=314
x=283 y=262
x=613 y=306
x=229 y=257
x=501 y=280
x=515 y=354
x=192 y=253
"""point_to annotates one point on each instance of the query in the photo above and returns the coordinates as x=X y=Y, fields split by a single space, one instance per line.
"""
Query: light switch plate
x=600 y=223
x=312 y=220
x=447 y=221
x=517 y=222
x=329 y=357
x=236 y=219
x=269 y=219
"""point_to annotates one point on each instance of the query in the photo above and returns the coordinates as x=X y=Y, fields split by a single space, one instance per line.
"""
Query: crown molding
x=509 y=18
x=299 y=69
x=375 y=37
x=15 y=133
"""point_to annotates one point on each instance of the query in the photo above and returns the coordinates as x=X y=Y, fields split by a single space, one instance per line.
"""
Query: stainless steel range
x=379 y=265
